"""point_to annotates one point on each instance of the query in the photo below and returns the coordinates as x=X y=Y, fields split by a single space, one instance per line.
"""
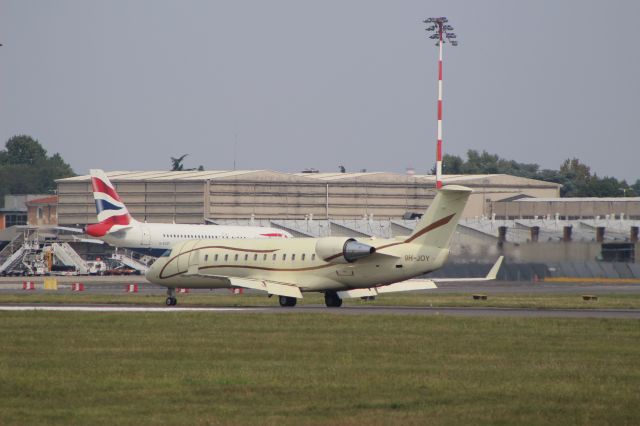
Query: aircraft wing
x=408 y=285
x=88 y=240
x=271 y=287
x=493 y=273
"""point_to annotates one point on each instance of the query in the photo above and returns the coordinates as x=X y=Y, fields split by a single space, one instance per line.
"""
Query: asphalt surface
x=368 y=310
x=116 y=285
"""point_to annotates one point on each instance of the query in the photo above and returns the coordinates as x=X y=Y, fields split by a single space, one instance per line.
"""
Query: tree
x=451 y=165
x=23 y=149
x=25 y=168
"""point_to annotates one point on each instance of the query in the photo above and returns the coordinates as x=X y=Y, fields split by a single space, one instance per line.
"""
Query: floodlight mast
x=443 y=33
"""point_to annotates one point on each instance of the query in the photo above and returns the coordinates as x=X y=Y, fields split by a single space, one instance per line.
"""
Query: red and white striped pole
x=439 y=144
x=441 y=31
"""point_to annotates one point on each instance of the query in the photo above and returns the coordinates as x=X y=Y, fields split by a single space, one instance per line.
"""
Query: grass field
x=540 y=301
x=194 y=368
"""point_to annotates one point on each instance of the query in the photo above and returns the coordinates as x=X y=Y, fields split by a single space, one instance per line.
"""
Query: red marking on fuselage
x=101 y=229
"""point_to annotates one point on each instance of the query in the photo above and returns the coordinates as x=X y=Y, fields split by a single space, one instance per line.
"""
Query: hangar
x=198 y=196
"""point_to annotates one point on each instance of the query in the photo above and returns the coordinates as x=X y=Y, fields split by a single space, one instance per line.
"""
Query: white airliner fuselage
x=156 y=238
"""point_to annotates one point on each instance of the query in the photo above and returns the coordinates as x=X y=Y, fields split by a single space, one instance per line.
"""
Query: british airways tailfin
x=112 y=213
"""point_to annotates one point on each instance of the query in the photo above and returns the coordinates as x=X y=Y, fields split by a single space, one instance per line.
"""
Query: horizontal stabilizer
x=409 y=285
x=117 y=228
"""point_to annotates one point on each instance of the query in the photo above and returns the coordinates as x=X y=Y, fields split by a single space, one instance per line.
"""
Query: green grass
x=203 y=368
x=538 y=301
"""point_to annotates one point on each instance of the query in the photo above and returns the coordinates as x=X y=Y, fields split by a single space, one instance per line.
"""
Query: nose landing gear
x=171 y=297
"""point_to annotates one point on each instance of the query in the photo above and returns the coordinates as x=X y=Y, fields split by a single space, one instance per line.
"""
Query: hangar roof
x=162 y=175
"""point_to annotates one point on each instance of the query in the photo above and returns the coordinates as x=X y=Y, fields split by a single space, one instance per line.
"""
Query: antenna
x=235 y=149
x=443 y=33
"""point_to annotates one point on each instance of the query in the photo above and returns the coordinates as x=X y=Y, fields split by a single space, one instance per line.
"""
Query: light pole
x=442 y=32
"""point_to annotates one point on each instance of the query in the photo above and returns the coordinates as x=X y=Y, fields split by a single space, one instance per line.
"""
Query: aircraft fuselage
x=293 y=261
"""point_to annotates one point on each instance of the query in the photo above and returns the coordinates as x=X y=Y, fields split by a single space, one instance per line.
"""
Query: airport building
x=201 y=196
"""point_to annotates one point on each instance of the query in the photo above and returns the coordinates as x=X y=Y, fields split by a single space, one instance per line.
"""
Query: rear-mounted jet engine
x=342 y=250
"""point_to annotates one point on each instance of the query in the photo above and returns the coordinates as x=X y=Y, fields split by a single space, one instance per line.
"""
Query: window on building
x=235 y=257
x=246 y=257
x=226 y=257
x=273 y=257
x=284 y=256
x=15 y=219
x=303 y=256
x=313 y=256
x=215 y=258
x=255 y=257
x=293 y=257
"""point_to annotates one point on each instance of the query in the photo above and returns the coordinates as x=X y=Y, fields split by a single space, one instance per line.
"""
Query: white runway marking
x=118 y=309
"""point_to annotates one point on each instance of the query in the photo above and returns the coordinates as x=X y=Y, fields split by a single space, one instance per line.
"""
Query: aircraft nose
x=152 y=274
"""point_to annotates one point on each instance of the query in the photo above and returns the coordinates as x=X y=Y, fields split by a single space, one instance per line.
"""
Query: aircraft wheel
x=171 y=301
x=332 y=300
x=287 y=301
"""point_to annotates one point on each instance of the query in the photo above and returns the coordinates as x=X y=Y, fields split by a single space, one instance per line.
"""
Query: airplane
x=118 y=228
x=340 y=267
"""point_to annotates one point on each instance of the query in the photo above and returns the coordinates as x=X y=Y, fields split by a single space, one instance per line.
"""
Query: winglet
x=493 y=272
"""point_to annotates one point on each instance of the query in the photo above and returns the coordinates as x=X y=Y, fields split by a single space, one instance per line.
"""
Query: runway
x=115 y=285
x=360 y=310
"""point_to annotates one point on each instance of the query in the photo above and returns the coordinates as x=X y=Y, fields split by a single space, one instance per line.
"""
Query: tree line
x=576 y=178
x=26 y=168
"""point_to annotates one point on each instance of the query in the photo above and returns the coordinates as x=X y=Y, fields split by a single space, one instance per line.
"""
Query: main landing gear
x=287 y=302
x=171 y=297
x=331 y=299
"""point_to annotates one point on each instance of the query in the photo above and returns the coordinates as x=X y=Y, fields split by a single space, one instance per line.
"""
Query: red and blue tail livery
x=112 y=213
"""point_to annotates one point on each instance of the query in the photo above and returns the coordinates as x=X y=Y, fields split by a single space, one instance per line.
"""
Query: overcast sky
x=124 y=85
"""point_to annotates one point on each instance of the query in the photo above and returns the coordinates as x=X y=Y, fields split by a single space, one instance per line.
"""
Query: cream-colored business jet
x=340 y=267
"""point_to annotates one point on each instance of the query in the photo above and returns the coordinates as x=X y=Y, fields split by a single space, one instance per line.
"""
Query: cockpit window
x=166 y=253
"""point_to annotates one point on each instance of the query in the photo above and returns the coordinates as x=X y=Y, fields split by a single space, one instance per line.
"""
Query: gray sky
x=124 y=85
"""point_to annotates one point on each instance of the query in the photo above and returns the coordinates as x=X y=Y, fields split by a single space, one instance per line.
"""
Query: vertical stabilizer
x=110 y=209
x=441 y=218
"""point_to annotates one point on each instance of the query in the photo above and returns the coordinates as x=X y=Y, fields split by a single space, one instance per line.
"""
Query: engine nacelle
x=342 y=249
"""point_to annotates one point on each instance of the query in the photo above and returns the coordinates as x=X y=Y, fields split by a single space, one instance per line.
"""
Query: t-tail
x=438 y=224
x=112 y=213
